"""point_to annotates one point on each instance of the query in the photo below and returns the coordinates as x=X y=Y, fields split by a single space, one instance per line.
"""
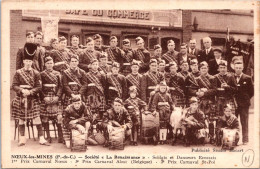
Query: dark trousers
x=243 y=113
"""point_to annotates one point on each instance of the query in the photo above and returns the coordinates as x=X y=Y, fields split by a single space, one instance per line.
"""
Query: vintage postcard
x=130 y=84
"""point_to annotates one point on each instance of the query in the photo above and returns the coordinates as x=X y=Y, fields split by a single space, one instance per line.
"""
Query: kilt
x=179 y=100
x=96 y=102
x=164 y=116
x=50 y=110
x=18 y=110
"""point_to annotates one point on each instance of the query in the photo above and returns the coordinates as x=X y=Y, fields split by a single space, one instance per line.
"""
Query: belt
x=112 y=88
x=73 y=83
x=91 y=84
x=109 y=62
x=126 y=64
x=25 y=87
x=151 y=87
x=130 y=107
x=60 y=63
x=172 y=88
x=167 y=64
x=49 y=85
x=163 y=104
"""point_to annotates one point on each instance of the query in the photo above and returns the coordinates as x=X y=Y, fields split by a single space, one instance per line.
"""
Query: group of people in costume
x=95 y=88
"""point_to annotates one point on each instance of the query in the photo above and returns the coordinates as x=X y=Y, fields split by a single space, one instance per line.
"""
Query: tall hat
x=126 y=41
x=97 y=36
x=157 y=47
x=29 y=51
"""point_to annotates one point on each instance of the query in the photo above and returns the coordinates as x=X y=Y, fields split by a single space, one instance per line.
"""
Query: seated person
x=135 y=106
x=78 y=117
x=117 y=116
x=194 y=121
x=227 y=121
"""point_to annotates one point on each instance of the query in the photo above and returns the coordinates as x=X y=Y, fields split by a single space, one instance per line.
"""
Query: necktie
x=207 y=52
x=237 y=78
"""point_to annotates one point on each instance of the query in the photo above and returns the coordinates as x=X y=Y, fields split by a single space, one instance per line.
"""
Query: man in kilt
x=171 y=54
x=206 y=94
x=116 y=84
x=142 y=55
x=61 y=56
x=87 y=55
x=114 y=53
x=27 y=85
x=176 y=86
x=134 y=78
x=94 y=90
x=51 y=98
x=149 y=81
x=226 y=86
x=191 y=85
x=74 y=48
x=127 y=58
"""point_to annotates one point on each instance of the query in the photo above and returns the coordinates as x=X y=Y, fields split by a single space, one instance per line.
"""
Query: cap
x=222 y=63
x=97 y=36
x=116 y=64
x=183 y=61
x=193 y=100
x=76 y=98
x=161 y=61
x=227 y=106
x=89 y=39
x=172 y=64
x=112 y=38
x=157 y=47
x=93 y=60
x=74 y=56
x=47 y=59
x=184 y=44
x=101 y=55
x=134 y=62
x=73 y=36
x=132 y=89
x=204 y=63
x=138 y=39
x=162 y=83
x=29 y=33
x=53 y=40
x=170 y=41
x=118 y=100
x=153 y=61
x=29 y=51
x=126 y=41
x=193 y=61
x=38 y=33
x=217 y=50
x=237 y=58
x=62 y=38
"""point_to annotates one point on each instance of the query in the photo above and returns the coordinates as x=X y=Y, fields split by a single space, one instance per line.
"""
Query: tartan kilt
x=18 y=111
x=164 y=115
x=48 y=110
x=179 y=100
x=96 y=102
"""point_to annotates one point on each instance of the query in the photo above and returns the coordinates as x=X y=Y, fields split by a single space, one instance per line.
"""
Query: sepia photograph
x=113 y=87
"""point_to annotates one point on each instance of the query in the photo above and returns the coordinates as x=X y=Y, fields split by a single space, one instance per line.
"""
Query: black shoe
x=135 y=143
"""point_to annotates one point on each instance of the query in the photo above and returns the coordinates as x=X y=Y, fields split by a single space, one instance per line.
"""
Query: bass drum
x=229 y=139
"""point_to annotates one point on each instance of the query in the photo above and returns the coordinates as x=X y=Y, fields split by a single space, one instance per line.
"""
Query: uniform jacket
x=176 y=81
x=230 y=122
x=61 y=56
x=115 y=54
x=144 y=56
x=189 y=57
x=117 y=86
x=196 y=52
x=85 y=57
x=191 y=84
x=230 y=80
x=205 y=57
x=123 y=117
x=213 y=67
x=208 y=82
x=134 y=80
x=161 y=97
x=199 y=117
x=75 y=50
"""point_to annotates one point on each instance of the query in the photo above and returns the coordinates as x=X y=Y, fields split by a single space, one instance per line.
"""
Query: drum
x=77 y=141
x=116 y=138
x=229 y=139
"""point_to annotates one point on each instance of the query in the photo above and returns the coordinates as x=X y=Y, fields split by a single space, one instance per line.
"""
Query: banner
x=49 y=28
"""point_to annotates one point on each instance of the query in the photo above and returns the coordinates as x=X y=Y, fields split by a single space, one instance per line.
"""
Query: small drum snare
x=77 y=141
x=116 y=138
x=229 y=139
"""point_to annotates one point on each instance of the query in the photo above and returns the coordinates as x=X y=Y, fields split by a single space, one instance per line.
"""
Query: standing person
x=87 y=55
x=115 y=54
x=73 y=79
x=77 y=116
x=74 y=48
x=117 y=116
x=51 y=98
x=38 y=56
x=149 y=80
x=135 y=107
x=95 y=90
x=127 y=58
x=116 y=84
x=192 y=48
x=104 y=68
x=176 y=86
x=142 y=55
x=244 y=92
x=171 y=54
x=214 y=63
x=207 y=53
x=54 y=42
x=98 y=46
x=163 y=104
x=38 y=40
x=191 y=84
x=27 y=85
x=183 y=55
x=184 y=69
x=134 y=78
x=226 y=87
x=61 y=56
x=157 y=54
